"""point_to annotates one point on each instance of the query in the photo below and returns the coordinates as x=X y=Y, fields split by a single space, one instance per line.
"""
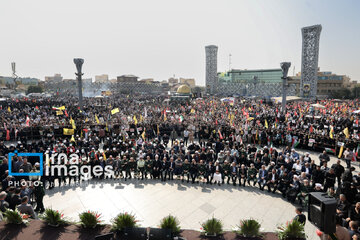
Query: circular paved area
x=151 y=200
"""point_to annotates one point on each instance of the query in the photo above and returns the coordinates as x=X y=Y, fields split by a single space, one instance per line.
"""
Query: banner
x=68 y=131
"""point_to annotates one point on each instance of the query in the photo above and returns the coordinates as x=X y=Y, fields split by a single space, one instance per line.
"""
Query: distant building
x=127 y=79
x=327 y=82
x=56 y=78
x=251 y=76
x=173 y=81
x=147 y=80
x=188 y=81
x=24 y=81
x=102 y=78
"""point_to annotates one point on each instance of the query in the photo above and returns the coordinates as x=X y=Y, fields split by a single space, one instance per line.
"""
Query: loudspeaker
x=322 y=212
x=134 y=234
x=159 y=234
x=108 y=236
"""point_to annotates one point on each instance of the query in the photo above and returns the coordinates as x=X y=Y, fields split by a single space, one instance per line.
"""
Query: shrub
x=53 y=217
x=170 y=222
x=15 y=217
x=293 y=229
x=212 y=226
x=249 y=228
x=124 y=220
x=89 y=219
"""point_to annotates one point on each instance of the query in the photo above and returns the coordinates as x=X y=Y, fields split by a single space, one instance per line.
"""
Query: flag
x=27 y=121
x=97 y=119
x=106 y=127
x=311 y=129
x=220 y=135
x=115 y=110
x=58 y=108
x=181 y=118
x=58 y=113
x=357 y=150
x=158 y=131
x=346 y=132
x=104 y=156
x=250 y=118
x=7 y=135
x=68 y=131
x=135 y=120
x=341 y=151
x=145 y=112
x=66 y=114
x=165 y=115
x=9 y=109
x=72 y=139
x=192 y=110
x=143 y=134
x=331 y=132
x=72 y=122
x=266 y=124
x=330 y=150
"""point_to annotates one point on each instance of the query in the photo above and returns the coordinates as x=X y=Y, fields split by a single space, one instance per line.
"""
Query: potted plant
x=90 y=219
x=249 y=229
x=171 y=223
x=15 y=217
x=293 y=230
x=124 y=220
x=212 y=227
x=53 y=217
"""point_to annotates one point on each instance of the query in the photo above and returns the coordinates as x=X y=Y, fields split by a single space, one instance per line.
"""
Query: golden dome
x=184 y=89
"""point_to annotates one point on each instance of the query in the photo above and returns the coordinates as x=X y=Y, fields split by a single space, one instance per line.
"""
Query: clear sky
x=161 y=38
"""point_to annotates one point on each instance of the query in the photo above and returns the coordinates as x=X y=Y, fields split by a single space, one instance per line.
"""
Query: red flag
x=7 y=135
x=27 y=121
x=66 y=114
x=220 y=135
x=311 y=129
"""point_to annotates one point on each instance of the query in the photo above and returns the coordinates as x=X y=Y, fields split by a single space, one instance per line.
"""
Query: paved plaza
x=151 y=200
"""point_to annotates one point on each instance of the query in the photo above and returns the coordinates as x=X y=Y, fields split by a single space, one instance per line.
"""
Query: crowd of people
x=246 y=143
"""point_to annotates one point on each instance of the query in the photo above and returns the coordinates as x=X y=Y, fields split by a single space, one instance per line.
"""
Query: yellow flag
x=331 y=132
x=266 y=124
x=68 y=131
x=86 y=119
x=143 y=135
x=72 y=122
x=62 y=108
x=135 y=120
x=192 y=110
x=106 y=127
x=104 y=155
x=9 y=109
x=58 y=113
x=346 y=132
x=141 y=118
x=72 y=139
x=115 y=110
x=341 y=151
x=250 y=118
x=97 y=119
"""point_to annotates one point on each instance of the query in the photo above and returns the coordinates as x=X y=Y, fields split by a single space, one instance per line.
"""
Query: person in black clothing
x=15 y=199
x=318 y=176
x=329 y=179
x=210 y=170
x=300 y=217
x=284 y=183
x=193 y=170
x=339 y=170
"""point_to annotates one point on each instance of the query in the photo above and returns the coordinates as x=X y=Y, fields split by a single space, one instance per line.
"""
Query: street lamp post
x=285 y=68
x=79 y=62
